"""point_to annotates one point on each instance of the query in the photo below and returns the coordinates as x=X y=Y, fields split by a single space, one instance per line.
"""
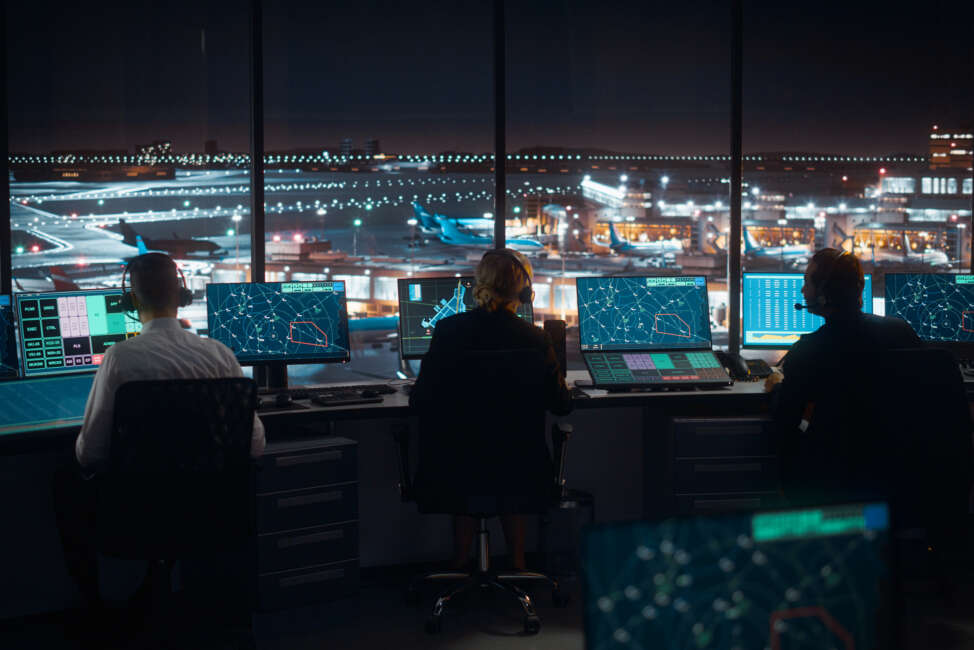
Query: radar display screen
x=809 y=578
x=70 y=331
x=770 y=319
x=8 y=343
x=643 y=313
x=938 y=306
x=423 y=302
x=618 y=369
x=292 y=322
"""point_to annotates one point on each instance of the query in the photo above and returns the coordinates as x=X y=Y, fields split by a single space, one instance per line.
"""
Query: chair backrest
x=482 y=445
x=896 y=427
x=923 y=415
x=179 y=472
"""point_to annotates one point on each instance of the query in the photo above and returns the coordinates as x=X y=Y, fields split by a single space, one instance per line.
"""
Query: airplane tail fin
x=750 y=244
x=713 y=241
x=61 y=280
x=143 y=249
x=129 y=236
x=906 y=243
x=843 y=237
x=424 y=217
x=614 y=239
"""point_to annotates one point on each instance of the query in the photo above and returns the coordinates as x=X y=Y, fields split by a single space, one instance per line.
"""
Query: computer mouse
x=369 y=393
x=282 y=400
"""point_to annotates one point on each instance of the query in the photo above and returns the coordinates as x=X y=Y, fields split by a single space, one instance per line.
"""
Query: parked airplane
x=793 y=252
x=931 y=256
x=56 y=279
x=178 y=247
x=429 y=223
x=450 y=234
x=642 y=248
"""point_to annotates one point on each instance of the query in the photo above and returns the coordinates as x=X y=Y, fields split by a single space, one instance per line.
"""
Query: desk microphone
x=799 y=306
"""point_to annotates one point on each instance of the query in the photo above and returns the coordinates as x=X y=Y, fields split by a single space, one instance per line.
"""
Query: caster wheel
x=411 y=596
x=532 y=624
x=560 y=598
x=434 y=626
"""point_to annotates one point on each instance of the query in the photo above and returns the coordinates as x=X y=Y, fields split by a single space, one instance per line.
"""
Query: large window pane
x=128 y=125
x=372 y=107
x=858 y=126
x=618 y=143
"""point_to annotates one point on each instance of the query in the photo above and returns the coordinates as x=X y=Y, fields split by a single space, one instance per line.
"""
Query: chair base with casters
x=484 y=578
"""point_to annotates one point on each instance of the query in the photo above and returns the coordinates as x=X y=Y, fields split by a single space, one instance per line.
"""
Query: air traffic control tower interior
x=538 y=324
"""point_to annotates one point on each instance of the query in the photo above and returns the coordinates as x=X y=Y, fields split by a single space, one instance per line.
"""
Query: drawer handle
x=314 y=538
x=317 y=576
x=307 y=459
x=308 y=499
x=730 y=431
x=701 y=468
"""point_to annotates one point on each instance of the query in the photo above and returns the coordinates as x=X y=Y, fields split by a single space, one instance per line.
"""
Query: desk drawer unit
x=307 y=522
x=282 y=589
x=722 y=463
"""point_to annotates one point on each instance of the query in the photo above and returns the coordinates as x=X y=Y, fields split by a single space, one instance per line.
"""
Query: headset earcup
x=526 y=295
x=127 y=303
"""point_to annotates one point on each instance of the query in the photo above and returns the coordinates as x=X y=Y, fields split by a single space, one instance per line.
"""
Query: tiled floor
x=379 y=618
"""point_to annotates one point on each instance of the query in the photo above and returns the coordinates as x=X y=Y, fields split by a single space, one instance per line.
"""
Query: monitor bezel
x=776 y=346
x=20 y=339
x=15 y=333
x=676 y=348
x=285 y=360
x=401 y=284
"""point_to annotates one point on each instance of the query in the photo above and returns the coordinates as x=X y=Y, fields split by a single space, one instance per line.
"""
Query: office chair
x=482 y=453
x=179 y=478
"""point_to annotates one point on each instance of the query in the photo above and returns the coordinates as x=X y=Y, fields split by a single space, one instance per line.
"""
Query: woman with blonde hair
x=503 y=283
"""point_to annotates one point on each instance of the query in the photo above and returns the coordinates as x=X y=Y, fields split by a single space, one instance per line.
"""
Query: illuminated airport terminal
x=495 y=325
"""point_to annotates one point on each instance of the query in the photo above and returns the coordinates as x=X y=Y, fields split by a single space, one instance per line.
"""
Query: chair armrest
x=560 y=433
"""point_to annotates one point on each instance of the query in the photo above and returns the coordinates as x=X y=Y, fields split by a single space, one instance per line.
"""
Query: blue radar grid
x=938 y=306
x=293 y=322
x=643 y=313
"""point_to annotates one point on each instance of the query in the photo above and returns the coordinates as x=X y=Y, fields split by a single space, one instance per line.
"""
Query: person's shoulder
x=892 y=327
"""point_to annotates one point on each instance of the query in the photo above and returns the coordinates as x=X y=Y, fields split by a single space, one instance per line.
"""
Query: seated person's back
x=824 y=408
x=163 y=350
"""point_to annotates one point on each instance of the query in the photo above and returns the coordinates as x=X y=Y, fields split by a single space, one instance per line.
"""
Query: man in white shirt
x=163 y=350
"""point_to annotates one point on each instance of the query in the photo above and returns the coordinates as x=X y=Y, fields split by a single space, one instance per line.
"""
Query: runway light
x=35 y=248
x=298 y=237
x=357 y=223
x=276 y=238
x=229 y=232
x=19 y=250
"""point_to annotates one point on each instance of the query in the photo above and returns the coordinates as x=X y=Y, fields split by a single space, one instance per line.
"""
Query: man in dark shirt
x=821 y=410
x=503 y=282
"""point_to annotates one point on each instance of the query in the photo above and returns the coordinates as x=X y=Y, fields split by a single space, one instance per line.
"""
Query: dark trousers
x=74 y=508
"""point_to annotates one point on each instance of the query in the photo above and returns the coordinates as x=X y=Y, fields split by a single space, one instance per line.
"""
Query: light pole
x=358 y=224
x=412 y=244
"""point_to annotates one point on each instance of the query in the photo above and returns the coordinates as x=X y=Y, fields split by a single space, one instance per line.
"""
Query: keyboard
x=343 y=398
x=311 y=392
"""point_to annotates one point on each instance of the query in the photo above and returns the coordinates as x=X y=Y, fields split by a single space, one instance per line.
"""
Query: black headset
x=526 y=295
x=128 y=299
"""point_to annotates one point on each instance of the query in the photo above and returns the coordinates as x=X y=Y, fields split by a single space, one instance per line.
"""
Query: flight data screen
x=939 y=306
x=70 y=331
x=8 y=341
x=809 y=578
x=423 y=302
x=293 y=322
x=770 y=319
x=643 y=313
x=659 y=368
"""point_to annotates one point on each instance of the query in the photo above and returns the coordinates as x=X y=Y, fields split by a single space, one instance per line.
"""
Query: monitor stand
x=405 y=370
x=271 y=377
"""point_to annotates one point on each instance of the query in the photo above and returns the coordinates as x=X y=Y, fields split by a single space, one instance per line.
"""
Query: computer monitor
x=769 y=317
x=939 y=306
x=423 y=302
x=69 y=331
x=8 y=341
x=290 y=322
x=643 y=313
x=802 y=578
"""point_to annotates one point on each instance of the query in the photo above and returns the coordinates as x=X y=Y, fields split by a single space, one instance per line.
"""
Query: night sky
x=847 y=77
